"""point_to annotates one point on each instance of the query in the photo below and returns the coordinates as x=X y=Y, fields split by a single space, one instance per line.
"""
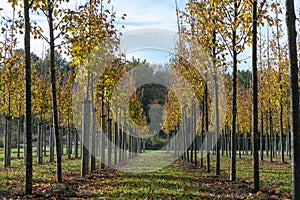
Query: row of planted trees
x=87 y=140
x=13 y=78
x=49 y=81
x=221 y=29
x=13 y=98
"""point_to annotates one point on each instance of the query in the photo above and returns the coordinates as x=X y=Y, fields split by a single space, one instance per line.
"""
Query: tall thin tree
x=255 y=138
x=50 y=13
x=294 y=90
x=28 y=179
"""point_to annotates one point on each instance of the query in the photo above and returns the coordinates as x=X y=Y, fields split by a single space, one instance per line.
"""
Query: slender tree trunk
x=217 y=125
x=206 y=130
x=93 y=142
x=86 y=129
x=245 y=144
x=262 y=136
x=19 y=133
x=183 y=138
x=234 y=100
x=102 y=157
x=267 y=137
x=129 y=146
x=280 y=98
x=255 y=138
x=174 y=144
x=69 y=143
x=271 y=143
x=124 y=145
x=76 y=143
x=51 y=144
x=216 y=98
x=226 y=140
x=45 y=140
x=109 y=146
x=116 y=128
x=120 y=140
x=71 y=140
x=190 y=134
x=287 y=143
x=239 y=144
x=54 y=99
x=85 y=137
x=39 y=142
x=202 y=132
x=281 y=134
x=275 y=145
x=186 y=147
x=28 y=126
x=289 y=146
x=294 y=91
x=62 y=133
x=223 y=141
x=196 y=136
x=168 y=142
x=25 y=141
x=7 y=140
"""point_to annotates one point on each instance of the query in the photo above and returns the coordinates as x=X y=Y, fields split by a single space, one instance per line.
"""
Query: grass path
x=176 y=181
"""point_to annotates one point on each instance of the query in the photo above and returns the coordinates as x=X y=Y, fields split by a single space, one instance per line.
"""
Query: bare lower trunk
x=208 y=136
x=54 y=99
x=255 y=138
x=76 y=143
x=28 y=126
x=116 y=134
x=51 y=144
x=261 y=136
x=295 y=125
x=85 y=137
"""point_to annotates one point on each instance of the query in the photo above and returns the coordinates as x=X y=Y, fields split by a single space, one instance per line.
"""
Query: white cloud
x=155 y=23
x=147 y=13
x=140 y=14
x=154 y=45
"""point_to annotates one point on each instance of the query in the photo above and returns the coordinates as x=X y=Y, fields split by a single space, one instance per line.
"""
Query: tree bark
x=7 y=140
x=54 y=99
x=44 y=139
x=19 y=134
x=196 y=137
x=262 y=136
x=294 y=91
x=234 y=99
x=39 y=144
x=124 y=145
x=28 y=116
x=102 y=157
x=93 y=142
x=85 y=137
x=271 y=143
x=202 y=132
x=208 y=143
x=116 y=132
x=76 y=143
x=255 y=138
x=69 y=143
x=51 y=144
x=109 y=146
x=217 y=124
x=120 y=140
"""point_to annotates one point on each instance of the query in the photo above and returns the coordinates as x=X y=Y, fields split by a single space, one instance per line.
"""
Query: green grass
x=14 y=152
x=179 y=180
